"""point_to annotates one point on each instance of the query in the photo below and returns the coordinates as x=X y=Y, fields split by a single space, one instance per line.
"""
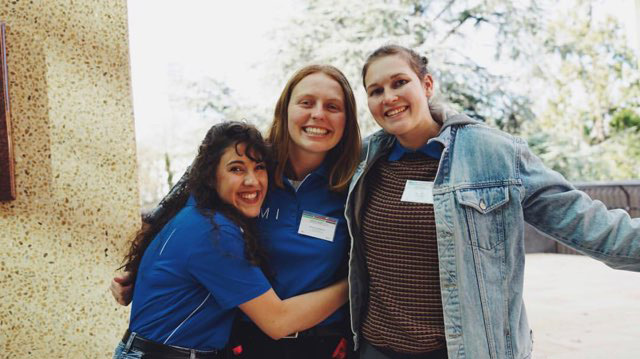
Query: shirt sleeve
x=218 y=262
x=553 y=206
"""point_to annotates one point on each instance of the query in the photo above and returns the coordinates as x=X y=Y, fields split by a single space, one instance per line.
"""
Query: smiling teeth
x=396 y=111
x=249 y=195
x=315 y=131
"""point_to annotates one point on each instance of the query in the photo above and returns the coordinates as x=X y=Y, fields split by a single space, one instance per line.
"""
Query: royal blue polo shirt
x=432 y=149
x=191 y=278
x=303 y=263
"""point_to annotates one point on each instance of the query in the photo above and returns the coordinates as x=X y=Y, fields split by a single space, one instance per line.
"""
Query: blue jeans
x=124 y=352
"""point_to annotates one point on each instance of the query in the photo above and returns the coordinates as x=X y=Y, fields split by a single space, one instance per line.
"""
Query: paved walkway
x=580 y=308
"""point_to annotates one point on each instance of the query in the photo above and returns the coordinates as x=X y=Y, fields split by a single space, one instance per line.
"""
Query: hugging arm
x=274 y=316
x=234 y=282
x=122 y=288
x=278 y=318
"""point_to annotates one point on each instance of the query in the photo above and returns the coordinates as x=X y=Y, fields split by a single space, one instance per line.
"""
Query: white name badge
x=418 y=192
x=318 y=226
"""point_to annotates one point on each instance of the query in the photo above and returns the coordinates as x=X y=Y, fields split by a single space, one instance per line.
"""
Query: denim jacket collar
x=383 y=142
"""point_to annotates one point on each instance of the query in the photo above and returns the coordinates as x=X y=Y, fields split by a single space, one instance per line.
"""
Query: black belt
x=337 y=329
x=153 y=349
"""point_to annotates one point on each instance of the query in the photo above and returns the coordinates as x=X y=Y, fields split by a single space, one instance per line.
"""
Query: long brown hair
x=202 y=186
x=343 y=158
x=420 y=66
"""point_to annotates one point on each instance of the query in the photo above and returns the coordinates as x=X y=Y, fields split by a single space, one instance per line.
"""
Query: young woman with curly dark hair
x=200 y=260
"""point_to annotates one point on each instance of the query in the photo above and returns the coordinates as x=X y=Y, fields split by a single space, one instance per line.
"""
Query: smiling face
x=240 y=181
x=398 y=98
x=316 y=115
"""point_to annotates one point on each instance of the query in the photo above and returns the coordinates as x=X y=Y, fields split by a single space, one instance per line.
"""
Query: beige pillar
x=76 y=181
x=637 y=22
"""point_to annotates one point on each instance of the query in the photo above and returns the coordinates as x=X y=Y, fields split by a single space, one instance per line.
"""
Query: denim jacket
x=487 y=185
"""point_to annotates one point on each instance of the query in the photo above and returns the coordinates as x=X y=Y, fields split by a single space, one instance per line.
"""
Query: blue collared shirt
x=193 y=270
x=432 y=149
x=303 y=263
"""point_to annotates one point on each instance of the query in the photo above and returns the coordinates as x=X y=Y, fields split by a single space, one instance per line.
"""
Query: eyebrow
x=392 y=76
x=303 y=95
x=241 y=162
x=235 y=162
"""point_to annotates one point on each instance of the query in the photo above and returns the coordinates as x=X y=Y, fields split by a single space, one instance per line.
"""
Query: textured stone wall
x=77 y=196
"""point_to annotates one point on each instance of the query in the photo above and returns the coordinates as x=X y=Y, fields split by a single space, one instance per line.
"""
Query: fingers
x=121 y=293
x=125 y=278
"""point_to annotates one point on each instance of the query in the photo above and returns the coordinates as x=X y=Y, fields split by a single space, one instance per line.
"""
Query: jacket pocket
x=483 y=210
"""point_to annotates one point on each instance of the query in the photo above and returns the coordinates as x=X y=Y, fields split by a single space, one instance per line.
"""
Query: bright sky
x=219 y=39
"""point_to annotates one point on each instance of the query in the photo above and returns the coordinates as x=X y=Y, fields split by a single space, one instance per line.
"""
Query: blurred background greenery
x=563 y=76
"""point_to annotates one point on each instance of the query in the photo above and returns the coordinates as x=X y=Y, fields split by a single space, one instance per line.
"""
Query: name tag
x=318 y=226
x=418 y=192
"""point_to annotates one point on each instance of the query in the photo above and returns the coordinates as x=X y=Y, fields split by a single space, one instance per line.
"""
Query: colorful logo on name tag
x=318 y=226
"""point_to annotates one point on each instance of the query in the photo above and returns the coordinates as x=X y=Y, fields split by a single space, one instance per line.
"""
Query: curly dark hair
x=202 y=185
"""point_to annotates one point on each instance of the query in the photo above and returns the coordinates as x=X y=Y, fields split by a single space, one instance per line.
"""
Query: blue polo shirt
x=432 y=149
x=191 y=278
x=303 y=263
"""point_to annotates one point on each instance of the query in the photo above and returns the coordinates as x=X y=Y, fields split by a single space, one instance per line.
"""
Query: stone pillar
x=637 y=22
x=76 y=180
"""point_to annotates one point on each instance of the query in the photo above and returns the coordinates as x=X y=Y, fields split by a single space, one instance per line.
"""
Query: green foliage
x=343 y=33
x=587 y=128
x=625 y=119
x=556 y=75
x=567 y=81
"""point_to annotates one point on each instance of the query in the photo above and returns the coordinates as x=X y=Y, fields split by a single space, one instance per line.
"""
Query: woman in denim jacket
x=468 y=206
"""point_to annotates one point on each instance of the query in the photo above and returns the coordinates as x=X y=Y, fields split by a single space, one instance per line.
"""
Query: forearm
x=278 y=318
x=587 y=226
x=306 y=310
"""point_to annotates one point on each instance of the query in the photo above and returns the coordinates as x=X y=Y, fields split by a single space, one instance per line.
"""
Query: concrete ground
x=580 y=308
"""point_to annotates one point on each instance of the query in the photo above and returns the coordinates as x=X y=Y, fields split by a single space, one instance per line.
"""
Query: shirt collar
x=191 y=201
x=432 y=149
x=322 y=170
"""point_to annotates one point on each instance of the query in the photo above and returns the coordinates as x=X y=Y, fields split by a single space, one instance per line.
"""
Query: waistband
x=155 y=350
x=335 y=329
x=391 y=354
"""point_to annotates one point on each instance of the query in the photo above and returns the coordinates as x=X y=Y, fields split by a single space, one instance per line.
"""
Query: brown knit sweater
x=405 y=308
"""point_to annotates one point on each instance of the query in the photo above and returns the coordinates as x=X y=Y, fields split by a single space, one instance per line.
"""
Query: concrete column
x=637 y=22
x=76 y=181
